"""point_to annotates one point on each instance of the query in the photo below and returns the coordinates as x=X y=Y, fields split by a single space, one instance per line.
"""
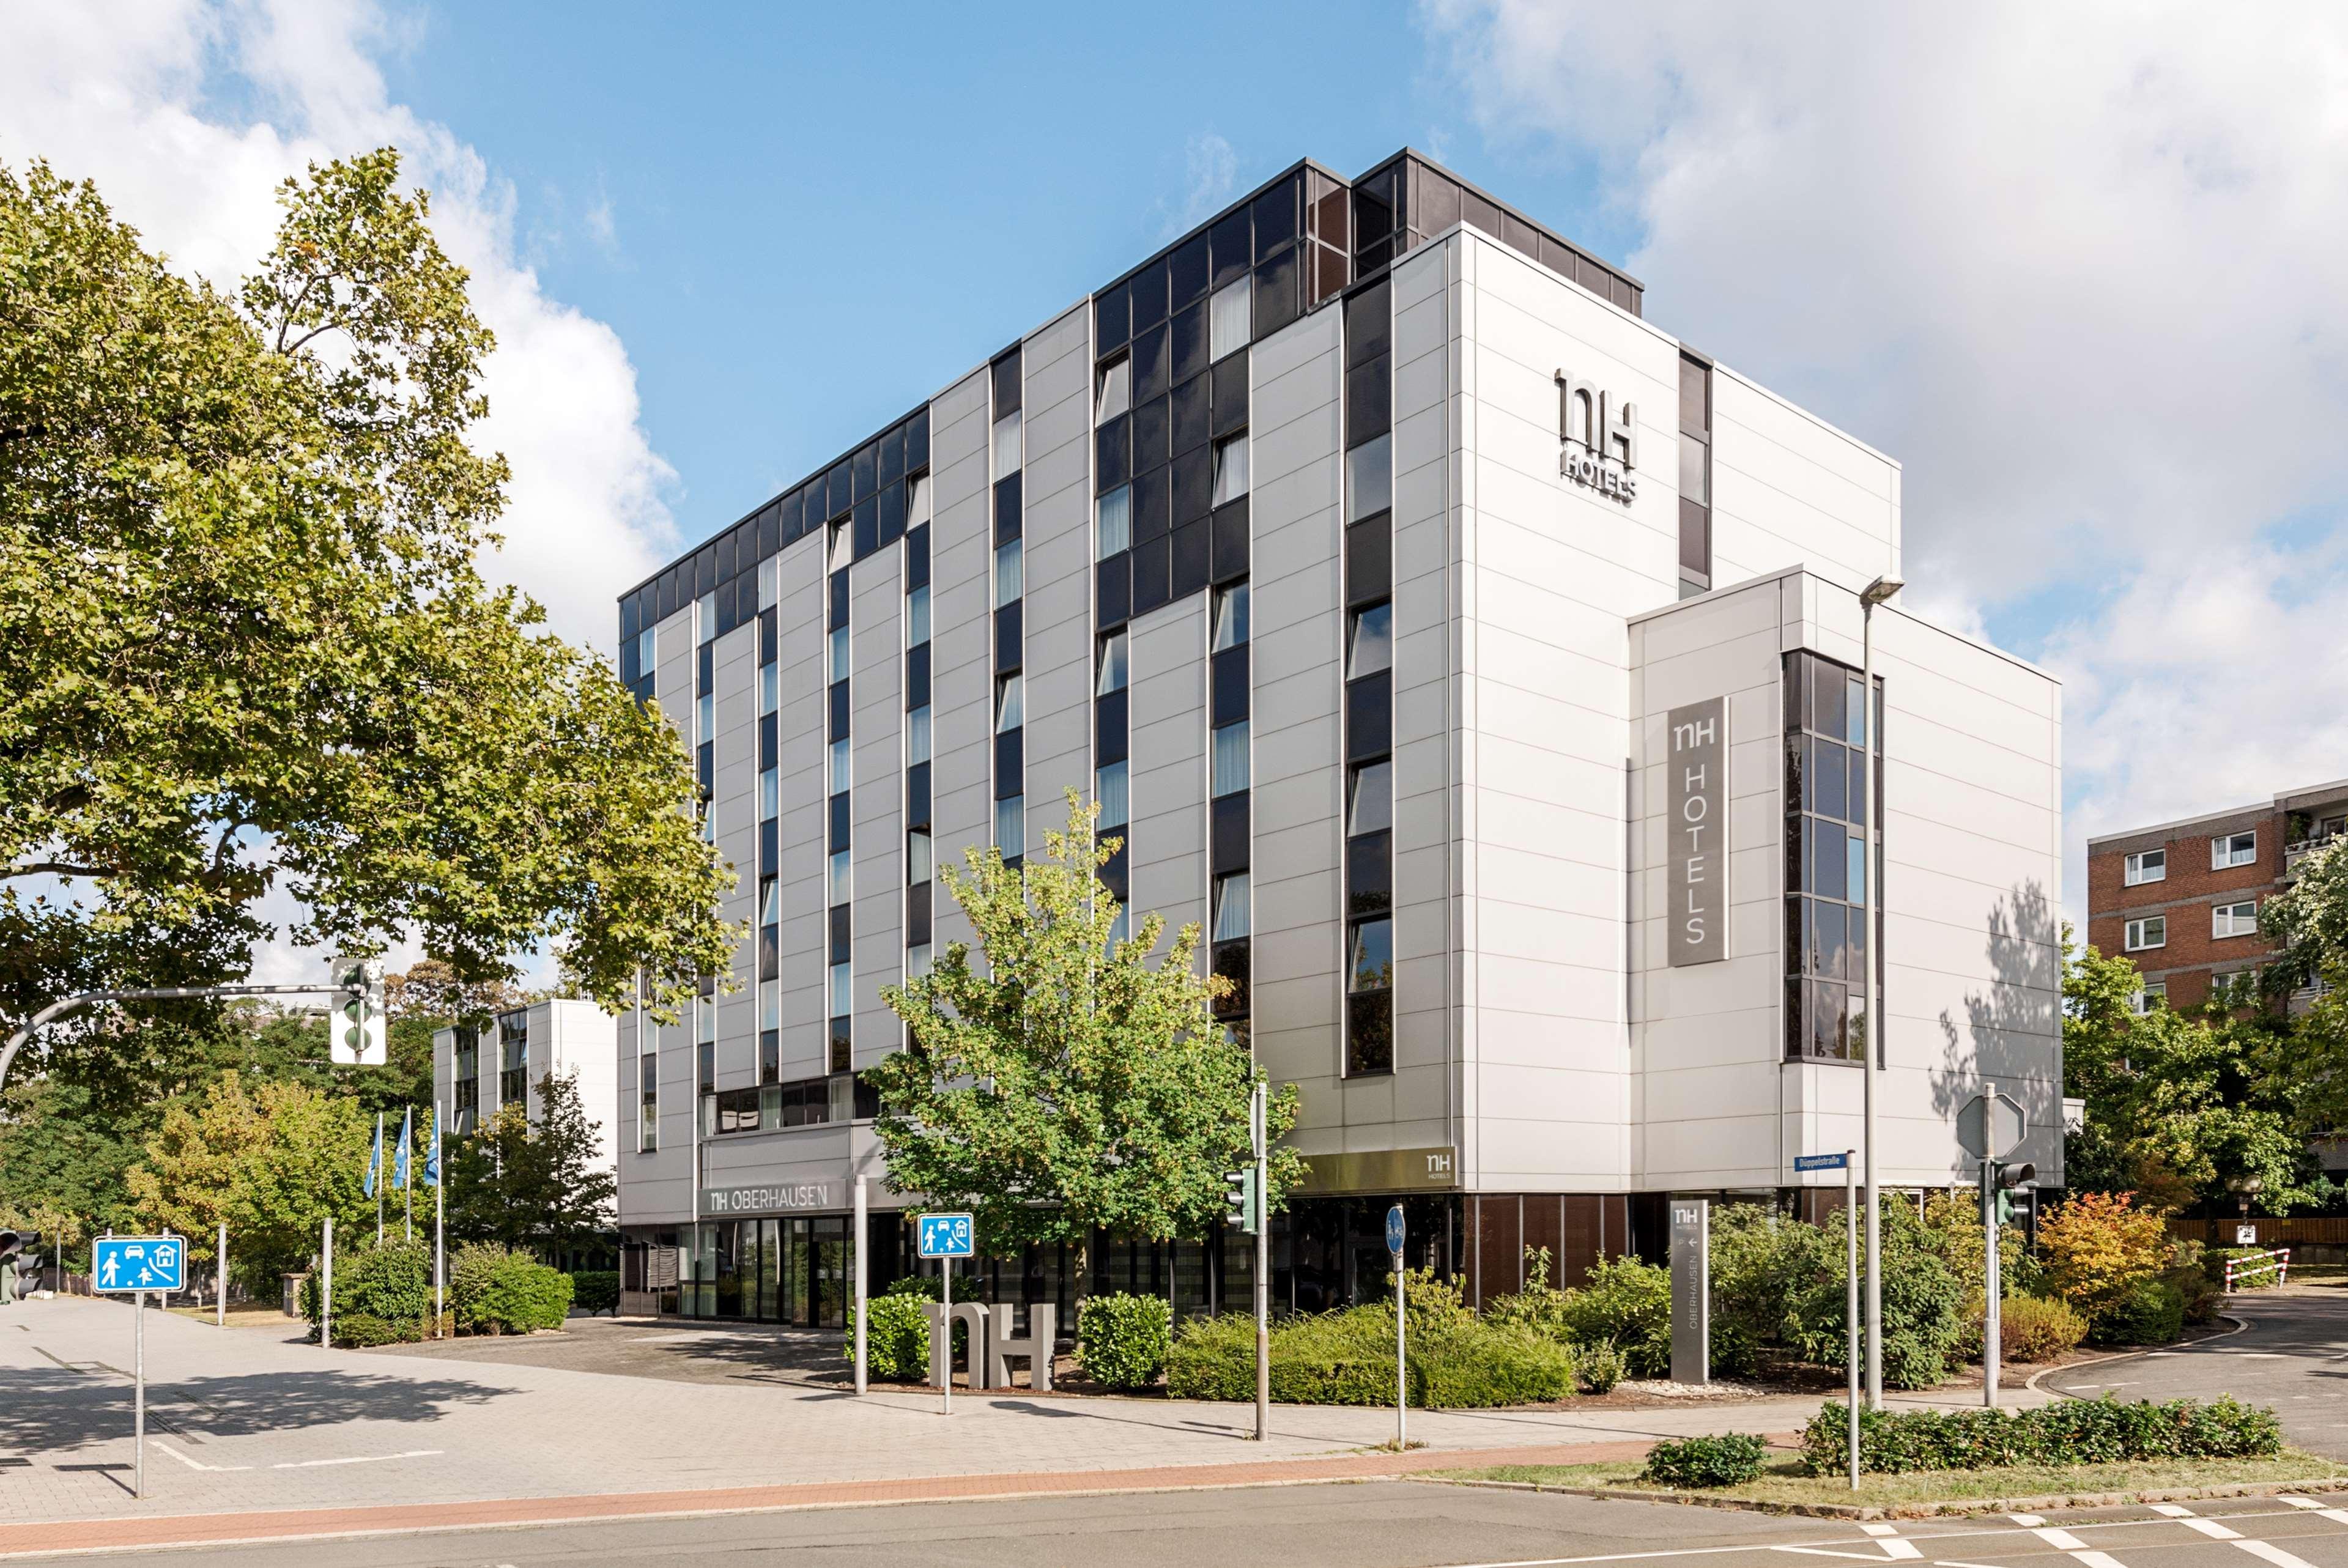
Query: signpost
x=1401 y=1375
x=131 y=1266
x=946 y=1237
x=1990 y=1126
x=1848 y=1166
x=1690 y=1290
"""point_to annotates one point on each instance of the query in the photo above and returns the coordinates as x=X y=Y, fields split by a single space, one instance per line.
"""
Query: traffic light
x=2006 y=1181
x=1239 y=1197
x=15 y=1244
x=354 y=1034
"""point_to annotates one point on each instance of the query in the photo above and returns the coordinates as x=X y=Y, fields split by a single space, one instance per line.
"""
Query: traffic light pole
x=1992 y=1311
x=1263 y=1269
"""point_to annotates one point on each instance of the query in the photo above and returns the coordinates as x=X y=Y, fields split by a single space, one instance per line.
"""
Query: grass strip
x=1782 y=1483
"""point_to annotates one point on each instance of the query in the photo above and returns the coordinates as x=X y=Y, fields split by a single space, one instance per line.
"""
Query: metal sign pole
x=863 y=1230
x=326 y=1290
x=1402 y=1374
x=219 y=1278
x=945 y=1326
x=138 y=1396
x=1850 y=1295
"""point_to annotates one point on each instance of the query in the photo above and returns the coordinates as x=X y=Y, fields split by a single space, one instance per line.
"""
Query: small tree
x=1057 y=1081
x=2095 y=1247
x=542 y=1188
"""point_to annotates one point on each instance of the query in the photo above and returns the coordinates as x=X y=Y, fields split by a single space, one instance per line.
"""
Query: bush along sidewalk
x=2075 y=1432
x=1730 y=1460
x=1348 y=1359
x=382 y=1296
x=1122 y=1340
x=492 y=1290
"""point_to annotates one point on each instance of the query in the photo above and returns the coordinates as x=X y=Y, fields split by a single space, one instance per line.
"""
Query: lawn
x=1783 y=1481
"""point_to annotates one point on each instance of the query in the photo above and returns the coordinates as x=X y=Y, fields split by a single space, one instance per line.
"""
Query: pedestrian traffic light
x=1239 y=1196
x=15 y=1244
x=2007 y=1180
x=356 y=1033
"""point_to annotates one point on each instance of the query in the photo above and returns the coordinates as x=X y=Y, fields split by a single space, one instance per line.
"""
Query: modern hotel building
x=1362 y=553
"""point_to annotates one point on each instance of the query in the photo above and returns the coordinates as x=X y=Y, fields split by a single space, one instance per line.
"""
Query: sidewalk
x=252 y=1424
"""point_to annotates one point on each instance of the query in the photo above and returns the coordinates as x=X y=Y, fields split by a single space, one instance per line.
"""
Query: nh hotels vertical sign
x=1697 y=868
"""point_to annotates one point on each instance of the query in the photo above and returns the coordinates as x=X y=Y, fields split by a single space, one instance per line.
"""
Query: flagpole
x=407 y=1185
x=377 y=1173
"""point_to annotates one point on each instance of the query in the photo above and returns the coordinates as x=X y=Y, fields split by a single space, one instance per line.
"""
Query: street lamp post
x=1876 y=592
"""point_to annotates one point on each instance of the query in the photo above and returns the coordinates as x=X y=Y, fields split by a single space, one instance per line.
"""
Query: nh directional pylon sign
x=128 y=1264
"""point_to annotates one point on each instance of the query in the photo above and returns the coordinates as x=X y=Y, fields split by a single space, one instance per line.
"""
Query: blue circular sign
x=1394 y=1229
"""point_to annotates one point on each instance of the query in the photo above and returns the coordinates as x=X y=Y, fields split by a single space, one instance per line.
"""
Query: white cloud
x=131 y=95
x=1210 y=176
x=2078 y=266
x=136 y=96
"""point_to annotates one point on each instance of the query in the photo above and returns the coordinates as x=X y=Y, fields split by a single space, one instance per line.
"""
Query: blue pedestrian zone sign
x=1394 y=1229
x=1820 y=1162
x=945 y=1236
x=125 y=1264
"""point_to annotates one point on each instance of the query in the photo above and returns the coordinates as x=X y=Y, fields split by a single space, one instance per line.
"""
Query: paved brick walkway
x=257 y=1426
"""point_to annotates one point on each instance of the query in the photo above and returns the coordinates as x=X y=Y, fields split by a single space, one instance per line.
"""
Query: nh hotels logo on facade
x=1601 y=436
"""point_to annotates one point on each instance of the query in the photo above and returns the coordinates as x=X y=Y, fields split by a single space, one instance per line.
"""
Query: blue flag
x=399 y=1160
x=375 y=1161
x=432 y=1151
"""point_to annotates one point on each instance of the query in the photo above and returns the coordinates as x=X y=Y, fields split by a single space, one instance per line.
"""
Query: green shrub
x=1348 y=1359
x=1764 y=1269
x=2072 y=1433
x=1537 y=1307
x=1121 y=1340
x=596 y=1290
x=1923 y=1306
x=494 y=1291
x=2213 y=1262
x=1627 y=1305
x=2035 y=1328
x=921 y=1287
x=390 y=1284
x=896 y=1339
x=1597 y=1369
x=1729 y=1460
x=1735 y=1350
x=2147 y=1312
x=1480 y=1367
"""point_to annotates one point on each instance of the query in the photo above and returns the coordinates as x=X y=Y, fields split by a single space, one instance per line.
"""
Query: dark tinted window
x=1190 y=409
x=1148 y=291
x=1189 y=343
x=1187 y=270
x=1232 y=249
x=1006 y=384
x=1151 y=426
x=1276 y=293
x=1112 y=320
x=1151 y=369
x=1275 y=218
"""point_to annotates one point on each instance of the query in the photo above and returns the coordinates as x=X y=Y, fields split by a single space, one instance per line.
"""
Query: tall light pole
x=1876 y=592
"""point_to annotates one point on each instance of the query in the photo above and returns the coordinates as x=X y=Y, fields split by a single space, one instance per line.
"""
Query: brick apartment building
x=2182 y=898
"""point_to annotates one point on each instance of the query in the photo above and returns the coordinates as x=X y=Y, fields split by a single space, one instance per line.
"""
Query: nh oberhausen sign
x=1696 y=864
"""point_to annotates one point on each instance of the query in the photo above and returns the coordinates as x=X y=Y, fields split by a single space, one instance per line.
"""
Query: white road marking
x=2336 y=1515
x=1889 y=1538
x=2027 y=1521
x=2098 y=1560
x=2062 y=1540
x=2185 y=1517
x=2273 y=1553
x=192 y=1464
x=358 y=1459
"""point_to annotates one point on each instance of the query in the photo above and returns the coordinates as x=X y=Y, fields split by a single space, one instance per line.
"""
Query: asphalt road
x=1387 y=1524
x=2292 y=1355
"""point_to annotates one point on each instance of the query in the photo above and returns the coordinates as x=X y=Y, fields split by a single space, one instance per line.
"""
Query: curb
x=2241 y=1325
x=1928 y=1510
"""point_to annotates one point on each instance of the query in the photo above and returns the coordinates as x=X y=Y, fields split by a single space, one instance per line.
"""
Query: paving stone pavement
x=251 y=1420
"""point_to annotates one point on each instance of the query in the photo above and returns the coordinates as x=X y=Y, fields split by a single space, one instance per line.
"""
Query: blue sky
x=814 y=222
x=2077 y=268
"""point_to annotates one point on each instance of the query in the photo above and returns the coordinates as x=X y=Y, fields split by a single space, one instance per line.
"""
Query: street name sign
x=125 y=1263
x=947 y=1236
x=1821 y=1162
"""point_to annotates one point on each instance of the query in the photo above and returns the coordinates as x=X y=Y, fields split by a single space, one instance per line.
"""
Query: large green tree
x=1057 y=1081
x=244 y=646
x=2181 y=1107
x=2308 y=924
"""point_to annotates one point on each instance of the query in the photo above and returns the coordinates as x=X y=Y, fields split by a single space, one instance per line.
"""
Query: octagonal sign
x=1990 y=1126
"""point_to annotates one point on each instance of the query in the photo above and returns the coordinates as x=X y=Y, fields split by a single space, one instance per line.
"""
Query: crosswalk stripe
x=2273 y=1553
x=2098 y=1560
x=2062 y=1540
x=2186 y=1516
x=2027 y=1521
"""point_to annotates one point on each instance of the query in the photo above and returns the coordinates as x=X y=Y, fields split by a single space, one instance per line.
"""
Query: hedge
x=1348 y=1359
x=2074 y=1432
x=1729 y=1460
x=2146 y=1312
x=596 y=1290
x=382 y=1294
x=1122 y=1340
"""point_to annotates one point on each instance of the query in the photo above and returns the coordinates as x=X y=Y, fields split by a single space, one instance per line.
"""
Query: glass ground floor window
x=791 y=1270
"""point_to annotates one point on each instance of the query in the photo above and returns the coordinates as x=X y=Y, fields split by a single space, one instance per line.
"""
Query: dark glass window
x=1112 y=320
x=1275 y=218
x=1187 y=270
